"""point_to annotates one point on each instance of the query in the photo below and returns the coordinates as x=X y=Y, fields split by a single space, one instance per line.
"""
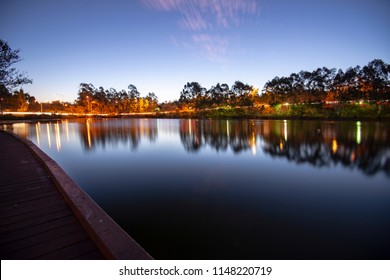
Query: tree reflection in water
x=255 y=189
x=219 y=135
x=117 y=131
x=364 y=146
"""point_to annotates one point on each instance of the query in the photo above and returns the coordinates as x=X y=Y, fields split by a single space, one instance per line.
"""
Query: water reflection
x=48 y=134
x=238 y=189
x=363 y=146
x=354 y=145
x=100 y=133
x=37 y=129
x=220 y=135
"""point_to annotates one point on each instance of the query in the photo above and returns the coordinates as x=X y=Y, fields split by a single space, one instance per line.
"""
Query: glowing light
x=285 y=129
x=228 y=129
x=89 y=134
x=21 y=129
x=253 y=143
x=67 y=129
x=48 y=134
x=358 y=132
x=281 y=145
x=353 y=156
x=58 y=138
x=37 y=133
x=334 y=146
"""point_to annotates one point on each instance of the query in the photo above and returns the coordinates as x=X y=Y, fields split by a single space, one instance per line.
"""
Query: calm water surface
x=226 y=189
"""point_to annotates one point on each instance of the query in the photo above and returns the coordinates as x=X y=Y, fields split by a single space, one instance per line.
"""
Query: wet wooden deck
x=36 y=220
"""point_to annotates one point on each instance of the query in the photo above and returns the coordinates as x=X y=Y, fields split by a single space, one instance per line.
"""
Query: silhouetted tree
x=134 y=95
x=193 y=95
x=18 y=101
x=152 y=101
x=85 y=94
x=372 y=82
x=10 y=78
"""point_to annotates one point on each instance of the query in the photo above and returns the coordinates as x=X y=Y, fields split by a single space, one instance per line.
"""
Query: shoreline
x=289 y=112
x=193 y=116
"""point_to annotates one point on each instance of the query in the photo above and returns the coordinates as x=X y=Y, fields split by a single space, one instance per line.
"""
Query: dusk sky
x=159 y=45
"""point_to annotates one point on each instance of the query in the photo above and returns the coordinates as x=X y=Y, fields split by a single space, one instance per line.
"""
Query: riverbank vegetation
x=357 y=92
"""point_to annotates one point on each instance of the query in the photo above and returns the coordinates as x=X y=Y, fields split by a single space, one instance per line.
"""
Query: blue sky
x=159 y=45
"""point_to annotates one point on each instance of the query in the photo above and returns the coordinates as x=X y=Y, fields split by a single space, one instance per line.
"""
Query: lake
x=233 y=189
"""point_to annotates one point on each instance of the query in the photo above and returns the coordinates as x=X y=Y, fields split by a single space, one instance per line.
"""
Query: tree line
x=195 y=96
x=100 y=101
x=370 y=83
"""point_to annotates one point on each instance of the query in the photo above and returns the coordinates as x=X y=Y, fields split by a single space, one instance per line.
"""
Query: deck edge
x=109 y=237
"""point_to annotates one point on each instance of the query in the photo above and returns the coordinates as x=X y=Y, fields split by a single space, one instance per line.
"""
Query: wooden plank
x=28 y=196
x=112 y=241
x=14 y=207
x=36 y=222
x=50 y=217
x=49 y=246
x=91 y=255
x=33 y=214
x=41 y=221
x=13 y=210
x=26 y=232
x=41 y=237
x=20 y=183
x=23 y=188
x=80 y=250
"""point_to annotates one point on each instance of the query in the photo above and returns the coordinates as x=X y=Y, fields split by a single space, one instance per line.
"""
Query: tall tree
x=152 y=101
x=10 y=77
x=193 y=94
x=243 y=92
x=375 y=80
x=85 y=95
x=134 y=96
x=216 y=94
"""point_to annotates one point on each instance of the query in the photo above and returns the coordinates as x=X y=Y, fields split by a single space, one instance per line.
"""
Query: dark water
x=217 y=189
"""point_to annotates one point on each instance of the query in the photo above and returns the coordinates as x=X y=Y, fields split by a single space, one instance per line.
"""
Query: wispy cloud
x=205 y=19
x=212 y=46
x=206 y=14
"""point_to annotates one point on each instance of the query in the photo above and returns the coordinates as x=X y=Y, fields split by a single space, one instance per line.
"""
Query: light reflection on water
x=235 y=189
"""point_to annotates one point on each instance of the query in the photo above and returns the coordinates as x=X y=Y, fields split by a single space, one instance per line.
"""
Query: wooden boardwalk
x=36 y=220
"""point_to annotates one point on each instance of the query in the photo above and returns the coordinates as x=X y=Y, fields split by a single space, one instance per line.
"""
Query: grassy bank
x=298 y=111
x=17 y=118
x=301 y=111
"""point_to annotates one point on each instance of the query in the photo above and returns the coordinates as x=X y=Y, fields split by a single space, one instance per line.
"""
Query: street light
x=88 y=110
